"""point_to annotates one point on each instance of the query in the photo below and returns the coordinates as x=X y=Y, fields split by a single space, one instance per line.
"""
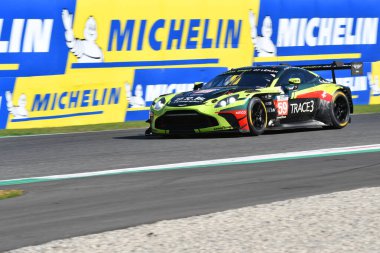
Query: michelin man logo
x=263 y=44
x=86 y=50
x=374 y=84
x=19 y=112
x=137 y=100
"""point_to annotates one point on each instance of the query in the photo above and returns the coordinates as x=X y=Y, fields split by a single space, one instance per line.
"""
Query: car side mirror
x=294 y=80
x=198 y=85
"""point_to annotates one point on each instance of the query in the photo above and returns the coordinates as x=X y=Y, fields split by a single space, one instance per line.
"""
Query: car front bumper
x=195 y=119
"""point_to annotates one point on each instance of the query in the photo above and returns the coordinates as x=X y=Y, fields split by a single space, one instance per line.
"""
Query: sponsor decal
x=219 y=33
x=265 y=70
x=201 y=99
x=204 y=91
x=282 y=105
x=241 y=112
x=75 y=99
x=235 y=112
x=196 y=100
x=222 y=128
x=357 y=69
x=302 y=107
x=327 y=31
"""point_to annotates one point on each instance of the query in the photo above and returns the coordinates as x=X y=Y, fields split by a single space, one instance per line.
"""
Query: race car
x=252 y=99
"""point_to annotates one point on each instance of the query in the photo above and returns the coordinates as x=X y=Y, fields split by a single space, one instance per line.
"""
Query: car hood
x=201 y=96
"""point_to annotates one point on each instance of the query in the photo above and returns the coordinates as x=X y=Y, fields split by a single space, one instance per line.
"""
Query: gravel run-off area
x=346 y=221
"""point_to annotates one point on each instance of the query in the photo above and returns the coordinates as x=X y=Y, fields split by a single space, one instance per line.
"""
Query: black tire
x=257 y=116
x=148 y=132
x=339 y=110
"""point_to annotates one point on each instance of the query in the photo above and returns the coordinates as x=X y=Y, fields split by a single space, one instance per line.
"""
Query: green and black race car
x=253 y=99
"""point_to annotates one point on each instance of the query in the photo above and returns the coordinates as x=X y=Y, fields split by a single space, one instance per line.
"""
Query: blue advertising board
x=317 y=30
x=31 y=36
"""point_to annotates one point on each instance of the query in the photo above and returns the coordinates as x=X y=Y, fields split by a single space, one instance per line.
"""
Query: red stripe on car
x=316 y=94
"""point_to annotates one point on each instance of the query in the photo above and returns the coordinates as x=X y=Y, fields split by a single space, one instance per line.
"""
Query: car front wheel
x=257 y=116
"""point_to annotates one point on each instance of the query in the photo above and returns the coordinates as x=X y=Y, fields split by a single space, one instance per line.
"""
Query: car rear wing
x=356 y=68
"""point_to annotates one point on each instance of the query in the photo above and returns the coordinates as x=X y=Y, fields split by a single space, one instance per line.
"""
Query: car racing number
x=282 y=105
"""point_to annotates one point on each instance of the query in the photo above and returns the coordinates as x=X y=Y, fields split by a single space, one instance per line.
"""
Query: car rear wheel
x=339 y=111
x=257 y=116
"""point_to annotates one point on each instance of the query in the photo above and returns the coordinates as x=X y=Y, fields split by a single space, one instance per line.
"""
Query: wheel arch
x=268 y=100
x=347 y=92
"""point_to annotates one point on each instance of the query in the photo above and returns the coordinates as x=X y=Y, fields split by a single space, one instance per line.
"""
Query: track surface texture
x=55 y=210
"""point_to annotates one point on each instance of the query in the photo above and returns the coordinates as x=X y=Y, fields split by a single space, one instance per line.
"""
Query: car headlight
x=227 y=101
x=159 y=104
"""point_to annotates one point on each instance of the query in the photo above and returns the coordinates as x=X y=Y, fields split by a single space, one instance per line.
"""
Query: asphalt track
x=61 y=209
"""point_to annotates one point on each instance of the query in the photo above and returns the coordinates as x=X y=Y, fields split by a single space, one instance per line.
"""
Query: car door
x=303 y=101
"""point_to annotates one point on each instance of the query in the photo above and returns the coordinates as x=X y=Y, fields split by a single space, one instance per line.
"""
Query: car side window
x=305 y=76
x=284 y=78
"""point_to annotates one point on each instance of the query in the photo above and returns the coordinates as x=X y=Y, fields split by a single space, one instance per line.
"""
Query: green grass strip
x=359 y=109
x=74 y=129
x=6 y=194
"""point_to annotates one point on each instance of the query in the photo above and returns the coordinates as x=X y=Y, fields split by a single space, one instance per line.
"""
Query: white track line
x=207 y=163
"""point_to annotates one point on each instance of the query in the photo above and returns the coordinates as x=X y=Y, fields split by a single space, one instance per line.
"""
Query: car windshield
x=251 y=79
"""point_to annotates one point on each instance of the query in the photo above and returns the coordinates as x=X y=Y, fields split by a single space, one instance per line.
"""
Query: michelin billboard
x=90 y=61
